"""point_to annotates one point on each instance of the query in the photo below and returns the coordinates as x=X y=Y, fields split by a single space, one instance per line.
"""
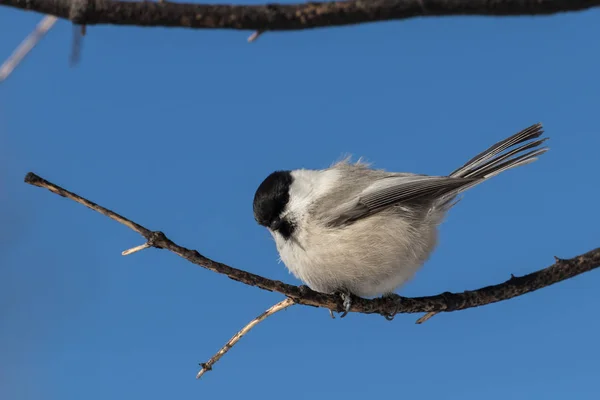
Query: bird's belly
x=365 y=262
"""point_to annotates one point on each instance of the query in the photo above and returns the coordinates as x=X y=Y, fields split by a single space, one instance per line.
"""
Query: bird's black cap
x=271 y=197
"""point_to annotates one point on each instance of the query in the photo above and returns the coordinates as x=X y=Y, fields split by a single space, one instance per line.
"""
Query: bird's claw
x=347 y=299
x=392 y=315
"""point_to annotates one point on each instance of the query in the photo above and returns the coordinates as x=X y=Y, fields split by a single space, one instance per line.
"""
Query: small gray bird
x=350 y=229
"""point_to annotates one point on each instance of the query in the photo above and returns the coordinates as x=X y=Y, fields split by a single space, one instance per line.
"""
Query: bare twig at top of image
x=26 y=45
x=79 y=32
x=254 y=36
x=207 y=366
x=287 y=16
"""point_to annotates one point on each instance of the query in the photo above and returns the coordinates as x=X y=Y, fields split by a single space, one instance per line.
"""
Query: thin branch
x=136 y=249
x=78 y=34
x=426 y=317
x=389 y=305
x=279 y=17
x=26 y=45
x=254 y=36
x=207 y=366
x=33 y=179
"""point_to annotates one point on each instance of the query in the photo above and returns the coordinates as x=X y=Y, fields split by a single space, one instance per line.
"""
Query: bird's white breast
x=370 y=257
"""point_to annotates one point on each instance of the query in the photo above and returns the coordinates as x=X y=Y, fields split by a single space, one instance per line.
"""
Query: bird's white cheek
x=276 y=238
x=279 y=241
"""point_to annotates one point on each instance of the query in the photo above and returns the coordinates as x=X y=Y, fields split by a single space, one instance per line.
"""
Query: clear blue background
x=176 y=128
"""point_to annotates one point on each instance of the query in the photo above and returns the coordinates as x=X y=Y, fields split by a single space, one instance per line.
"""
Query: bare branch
x=279 y=17
x=78 y=34
x=254 y=36
x=445 y=302
x=207 y=366
x=136 y=249
x=426 y=317
x=26 y=45
x=33 y=179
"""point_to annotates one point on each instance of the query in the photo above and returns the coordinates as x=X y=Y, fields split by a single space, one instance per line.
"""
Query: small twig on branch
x=426 y=317
x=136 y=249
x=281 y=17
x=254 y=36
x=561 y=270
x=207 y=366
x=79 y=32
x=26 y=45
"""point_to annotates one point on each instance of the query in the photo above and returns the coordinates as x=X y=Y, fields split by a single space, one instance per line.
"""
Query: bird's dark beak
x=275 y=224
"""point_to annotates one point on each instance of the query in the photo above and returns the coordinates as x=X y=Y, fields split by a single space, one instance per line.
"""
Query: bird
x=354 y=230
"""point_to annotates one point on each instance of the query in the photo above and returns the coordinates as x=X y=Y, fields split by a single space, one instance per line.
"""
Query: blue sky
x=176 y=128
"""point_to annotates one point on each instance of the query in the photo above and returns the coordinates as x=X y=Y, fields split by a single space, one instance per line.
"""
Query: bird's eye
x=285 y=228
x=275 y=224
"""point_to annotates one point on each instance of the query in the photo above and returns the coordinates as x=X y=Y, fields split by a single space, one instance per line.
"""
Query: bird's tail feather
x=495 y=160
x=498 y=158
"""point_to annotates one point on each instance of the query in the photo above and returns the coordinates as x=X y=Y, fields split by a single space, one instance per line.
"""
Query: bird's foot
x=347 y=303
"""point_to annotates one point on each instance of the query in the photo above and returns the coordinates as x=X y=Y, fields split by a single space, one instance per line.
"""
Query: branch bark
x=445 y=302
x=280 y=17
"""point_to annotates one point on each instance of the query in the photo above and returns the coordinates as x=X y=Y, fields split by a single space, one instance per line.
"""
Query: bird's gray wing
x=393 y=190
